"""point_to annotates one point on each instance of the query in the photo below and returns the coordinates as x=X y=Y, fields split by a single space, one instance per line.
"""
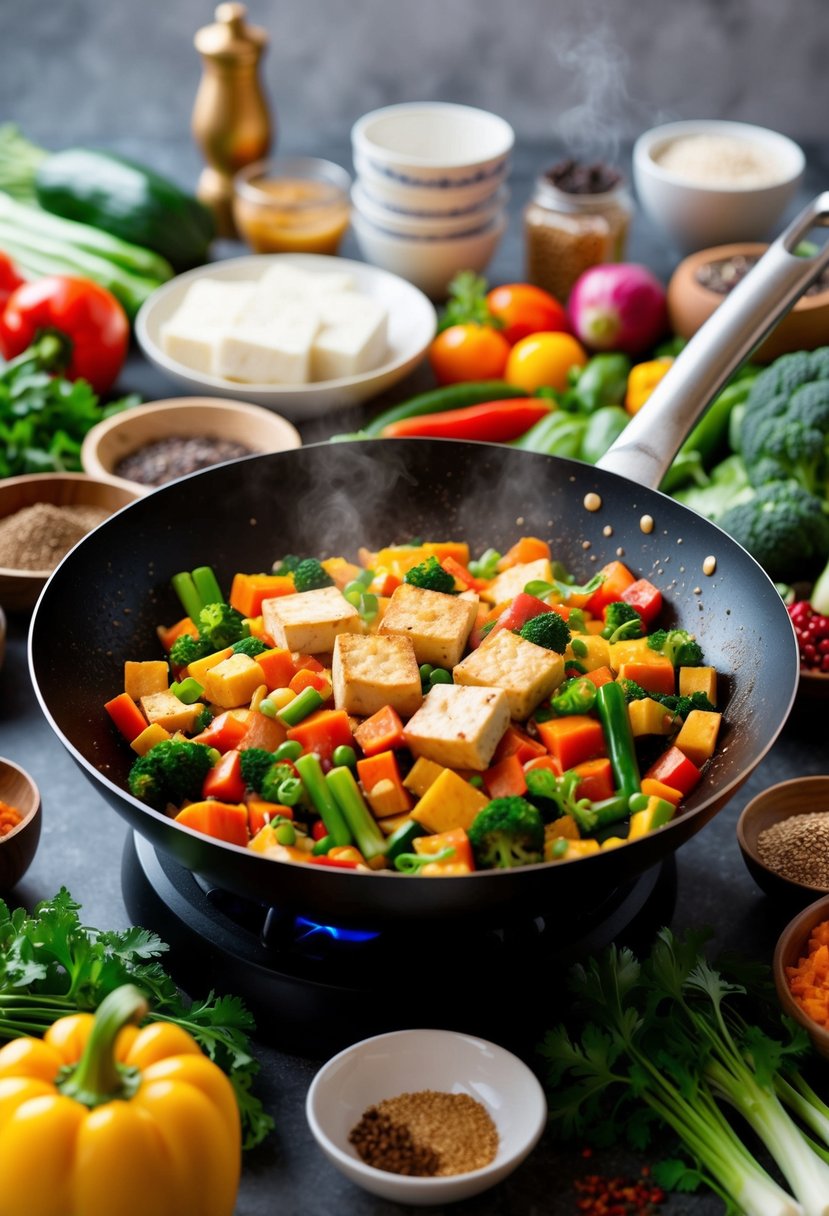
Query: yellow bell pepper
x=642 y=380
x=100 y=1118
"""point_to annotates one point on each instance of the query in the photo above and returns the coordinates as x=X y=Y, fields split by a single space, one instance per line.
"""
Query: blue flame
x=307 y=929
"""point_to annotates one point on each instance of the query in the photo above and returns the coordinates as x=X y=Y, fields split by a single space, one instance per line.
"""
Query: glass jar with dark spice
x=579 y=216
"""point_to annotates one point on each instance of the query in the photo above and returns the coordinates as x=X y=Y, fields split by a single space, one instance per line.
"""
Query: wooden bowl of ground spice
x=783 y=835
x=426 y=1116
x=43 y=516
x=801 y=972
x=19 y=823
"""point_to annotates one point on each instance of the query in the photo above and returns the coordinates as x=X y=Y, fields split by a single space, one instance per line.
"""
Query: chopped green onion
x=289 y=792
x=559 y=847
x=477 y=780
x=185 y=589
x=207 y=585
x=188 y=690
x=302 y=705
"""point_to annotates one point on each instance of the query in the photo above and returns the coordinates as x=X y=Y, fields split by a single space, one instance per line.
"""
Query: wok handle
x=648 y=444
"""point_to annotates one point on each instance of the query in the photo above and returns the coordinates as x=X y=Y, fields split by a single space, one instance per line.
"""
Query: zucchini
x=126 y=200
x=439 y=400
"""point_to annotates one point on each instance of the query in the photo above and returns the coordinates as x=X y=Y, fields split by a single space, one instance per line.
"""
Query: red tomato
x=525 y=309
x=84 y=312
x=9 y=278
x=468 y=352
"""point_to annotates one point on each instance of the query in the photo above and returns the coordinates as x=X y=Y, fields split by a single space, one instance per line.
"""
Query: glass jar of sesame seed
x=579 y=215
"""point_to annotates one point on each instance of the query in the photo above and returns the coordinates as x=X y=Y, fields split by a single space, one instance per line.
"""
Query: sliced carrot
x=222 y=820
x=382 y=773
x=572 y=739
x=385 y=584
x=505 y=779
x=310 y=679
x=527 y=549
x=595 y=779
x=599 y=676
x=225 y=732
x=126 y=715
x=225 y=781
x=249 y=590
x=381 y=732
x=168 y=636
x=261 y=812
x=461 y=575
x=617 y=578
x=307 y=662
x=657 y=675
x=263 y=732
x=658 y=789
x=323 y=731
x=278 y=667
x=515 y=742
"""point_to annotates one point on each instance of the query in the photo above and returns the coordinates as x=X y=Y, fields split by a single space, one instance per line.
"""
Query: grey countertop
x=82 y=843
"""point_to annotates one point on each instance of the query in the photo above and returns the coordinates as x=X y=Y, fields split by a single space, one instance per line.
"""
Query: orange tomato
x=524 y=309
x=468 y=352
x=544 y=361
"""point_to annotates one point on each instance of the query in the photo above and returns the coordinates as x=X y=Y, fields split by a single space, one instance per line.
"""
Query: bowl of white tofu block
x=301 y=333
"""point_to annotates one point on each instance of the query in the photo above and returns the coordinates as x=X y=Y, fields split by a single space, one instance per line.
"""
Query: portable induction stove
x=317 y=988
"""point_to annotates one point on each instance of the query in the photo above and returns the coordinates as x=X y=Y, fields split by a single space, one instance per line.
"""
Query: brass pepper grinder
x=231 y=123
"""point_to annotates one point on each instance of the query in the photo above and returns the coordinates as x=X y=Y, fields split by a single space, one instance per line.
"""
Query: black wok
x=103 y=603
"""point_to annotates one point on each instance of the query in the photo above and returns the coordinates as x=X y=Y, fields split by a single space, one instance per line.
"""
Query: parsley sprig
x=51 y=965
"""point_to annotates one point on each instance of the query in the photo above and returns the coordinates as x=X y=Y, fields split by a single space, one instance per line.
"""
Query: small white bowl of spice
x=709 y=182
x=783 y=835
x=426 y=1116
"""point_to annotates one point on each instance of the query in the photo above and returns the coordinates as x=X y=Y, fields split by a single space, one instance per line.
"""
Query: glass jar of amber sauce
x=578 y=216
x=295 y=205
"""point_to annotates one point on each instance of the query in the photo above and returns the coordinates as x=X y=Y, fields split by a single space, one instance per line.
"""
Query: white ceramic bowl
x=411 y=326
x=433 y=197
x=407 y=1061
x=433 y=142
x=412 y=223
x=696 y=215
x=427 y=262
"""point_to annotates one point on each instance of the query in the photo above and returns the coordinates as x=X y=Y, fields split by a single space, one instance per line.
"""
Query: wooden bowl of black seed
x=42 y=517
x=783 y=834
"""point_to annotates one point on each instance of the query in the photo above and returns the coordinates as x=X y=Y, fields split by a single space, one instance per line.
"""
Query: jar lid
x=230 y=37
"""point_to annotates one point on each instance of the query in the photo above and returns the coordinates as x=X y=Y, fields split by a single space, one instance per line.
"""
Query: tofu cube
x=166 y=709
x=292 y=282
x=140 y=679
x=352 y=338
x=233 y=682
x=459 y=726
x=309 y=621
x=208 y=308
x=513 y=581
x=437 y=624
x=269 y=343
x=449 y=803
x=526 y=672
x=370 y=671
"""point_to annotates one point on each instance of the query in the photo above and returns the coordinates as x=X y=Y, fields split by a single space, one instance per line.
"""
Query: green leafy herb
x=43 y=417
x=467 y=303
x=52 y=965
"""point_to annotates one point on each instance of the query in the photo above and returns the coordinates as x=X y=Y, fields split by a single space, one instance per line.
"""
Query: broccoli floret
x=171 y=771
x=255 y=762
x=187 y=649
x=273 y=778
x=431 y=576
x=784 y=527
x=549 y=630
x=681 y=706
x=576 y=696
x=557 y=796
x=249 y=646
x=310 y=575
x=507 y=832
x=220 y=626
x=633 y=691
x=622 y=621
x=785 y=430
x=203 y=720
x=678 y=645
x=286 y=565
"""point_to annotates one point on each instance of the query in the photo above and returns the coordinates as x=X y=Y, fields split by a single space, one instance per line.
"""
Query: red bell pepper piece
x=506 y=778
x=522 y=609
x=224 y=781
x=127 y=716
x=461 y=574
x=490 y=422
x=645 y=598
x=673 y=768
x=617 y=578
x=224 y=733
x=339 y=863
x=309 y=679
x=318 y=830
x=9 y=279
x=547 y=762
x=595 y=779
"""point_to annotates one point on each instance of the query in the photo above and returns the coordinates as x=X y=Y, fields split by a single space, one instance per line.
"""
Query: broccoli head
x=172 y=771
x=431 y=576
x=785 y=429
x=549 y=630
x=632 y=691
x=286 y=565
x=507 y=832
x=681 y=706
x=310 y=575
x=249 y=646
x=678 y=645
x=187 y=649
x=220 y=626
x=784 y=527
x=621 y=621
x=255 y=762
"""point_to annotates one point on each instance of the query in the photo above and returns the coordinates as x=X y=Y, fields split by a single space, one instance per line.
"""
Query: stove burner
x=317 y=987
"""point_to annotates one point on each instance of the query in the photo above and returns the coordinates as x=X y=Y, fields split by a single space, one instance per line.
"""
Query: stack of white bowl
x=430 y=192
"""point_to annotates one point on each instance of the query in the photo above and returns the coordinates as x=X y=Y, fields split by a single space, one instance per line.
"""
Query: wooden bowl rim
x=685 y=273
x=798 y=929
x=750 y=810
x=36 y=807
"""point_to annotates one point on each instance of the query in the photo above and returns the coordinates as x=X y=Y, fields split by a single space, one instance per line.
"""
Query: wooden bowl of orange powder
x=801 y=972
x=19 y=823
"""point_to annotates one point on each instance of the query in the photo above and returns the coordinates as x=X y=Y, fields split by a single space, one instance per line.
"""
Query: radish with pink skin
x=618 y=306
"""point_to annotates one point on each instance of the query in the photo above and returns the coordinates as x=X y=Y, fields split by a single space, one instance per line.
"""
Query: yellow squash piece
x=233 y=682
x=698 y=736
x=421 y=775
x=698 y=679
x=654 y=814
x=101 y=1119
x=590 y=650
x=149 y=737
x=141 y=679
x=648 y=717
x=450 y=802
x=199 y=668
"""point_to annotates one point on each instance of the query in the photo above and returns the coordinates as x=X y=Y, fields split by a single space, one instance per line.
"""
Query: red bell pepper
x=9 y=278
x=491 y=422
x=617 y=578
x=522 y=609
x=224 y=733
x=462 y=575
x=673 y=768
x=645 y=598
x=506 y=778
x=84 y=313
x=224 y=780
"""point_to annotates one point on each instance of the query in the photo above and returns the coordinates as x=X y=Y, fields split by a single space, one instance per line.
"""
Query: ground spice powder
x=37 y=537
x=426 y=1133
x=798 y=848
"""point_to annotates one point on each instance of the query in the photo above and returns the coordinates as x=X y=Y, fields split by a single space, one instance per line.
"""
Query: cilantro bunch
x=52 y=965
